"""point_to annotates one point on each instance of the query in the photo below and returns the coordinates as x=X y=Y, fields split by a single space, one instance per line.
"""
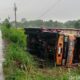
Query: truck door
x=59 y=50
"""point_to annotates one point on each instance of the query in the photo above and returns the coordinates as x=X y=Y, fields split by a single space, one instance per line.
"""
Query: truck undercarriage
x=54 y=46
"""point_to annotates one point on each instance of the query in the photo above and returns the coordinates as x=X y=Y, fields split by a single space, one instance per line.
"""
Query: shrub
x=18 y=56
x=17 y=60
x=5 y=32
x=17 y=63
x=18 y=37
x=14 y=35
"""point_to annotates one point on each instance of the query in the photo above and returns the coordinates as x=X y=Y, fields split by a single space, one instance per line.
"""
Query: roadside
x=1 y=57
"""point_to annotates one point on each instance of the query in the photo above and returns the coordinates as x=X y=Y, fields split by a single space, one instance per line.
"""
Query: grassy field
x=20 y=65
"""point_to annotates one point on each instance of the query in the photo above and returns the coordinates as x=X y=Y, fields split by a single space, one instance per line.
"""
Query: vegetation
x=41 y=23
x=17 y=60
x=20 y=65
x=49 y=24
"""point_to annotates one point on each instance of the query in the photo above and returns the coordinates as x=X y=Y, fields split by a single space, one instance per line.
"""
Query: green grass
x=20 y=65
x=17 y=60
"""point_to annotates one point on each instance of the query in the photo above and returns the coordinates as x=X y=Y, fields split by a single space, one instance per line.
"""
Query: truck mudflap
x=59 y=53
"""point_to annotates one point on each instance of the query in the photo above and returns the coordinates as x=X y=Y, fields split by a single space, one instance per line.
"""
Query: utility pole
x=15 y=10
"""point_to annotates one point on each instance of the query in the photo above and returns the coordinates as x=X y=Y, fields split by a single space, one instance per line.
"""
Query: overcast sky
x=61 y=10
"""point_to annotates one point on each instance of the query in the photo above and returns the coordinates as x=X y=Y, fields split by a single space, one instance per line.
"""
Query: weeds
x=20 y=65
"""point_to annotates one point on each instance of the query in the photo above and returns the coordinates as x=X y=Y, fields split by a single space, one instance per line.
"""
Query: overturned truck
x=59 y=46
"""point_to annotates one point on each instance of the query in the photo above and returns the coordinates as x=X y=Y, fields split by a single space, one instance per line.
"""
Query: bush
x=17 y=60
x=5 y=32
x=14 y=35
x=17 y=56
x=17 y=36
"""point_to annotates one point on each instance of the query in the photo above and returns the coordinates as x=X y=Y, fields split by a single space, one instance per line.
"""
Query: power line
x=50 y=8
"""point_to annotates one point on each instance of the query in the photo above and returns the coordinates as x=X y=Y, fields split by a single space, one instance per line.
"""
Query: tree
x=49 y=23
x=7 y=23
x=77 y=24
x=23 y=20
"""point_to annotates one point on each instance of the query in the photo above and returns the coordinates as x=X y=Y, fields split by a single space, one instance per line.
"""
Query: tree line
x=48 y=24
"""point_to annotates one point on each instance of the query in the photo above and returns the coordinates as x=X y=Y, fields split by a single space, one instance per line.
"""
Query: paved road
x=1 y=57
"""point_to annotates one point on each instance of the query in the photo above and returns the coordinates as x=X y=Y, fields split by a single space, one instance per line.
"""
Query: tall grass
x=14 y=35
x=20 y=65
x=17 y=60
